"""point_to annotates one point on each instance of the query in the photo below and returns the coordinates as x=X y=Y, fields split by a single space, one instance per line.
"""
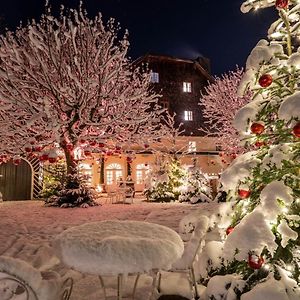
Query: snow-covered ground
x=27 y=229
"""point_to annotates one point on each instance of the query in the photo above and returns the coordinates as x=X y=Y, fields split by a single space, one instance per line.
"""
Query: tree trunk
x=72 y=165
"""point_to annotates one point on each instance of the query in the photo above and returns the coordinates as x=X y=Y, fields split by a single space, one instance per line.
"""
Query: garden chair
x=186 y=263
x=21 y=281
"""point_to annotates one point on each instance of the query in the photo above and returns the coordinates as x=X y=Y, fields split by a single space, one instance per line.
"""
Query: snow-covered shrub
x=196 y=189
x=73 y=193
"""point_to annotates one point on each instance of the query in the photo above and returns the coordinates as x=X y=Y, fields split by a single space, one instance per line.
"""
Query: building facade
x=180 y=83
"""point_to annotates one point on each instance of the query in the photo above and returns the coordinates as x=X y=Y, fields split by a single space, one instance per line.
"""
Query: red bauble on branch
x=296 y=130
x=16 y=161
x=28 y=148
x=255 y=262
x=243 y=194
x=265 y=80
x=257 y=128
x=229 y=230
x=281 y=4
x=44 y=157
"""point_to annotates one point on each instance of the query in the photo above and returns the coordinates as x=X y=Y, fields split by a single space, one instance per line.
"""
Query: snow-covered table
x=118 y=248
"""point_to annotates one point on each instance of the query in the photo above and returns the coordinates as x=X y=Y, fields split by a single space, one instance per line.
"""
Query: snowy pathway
x=27 y=229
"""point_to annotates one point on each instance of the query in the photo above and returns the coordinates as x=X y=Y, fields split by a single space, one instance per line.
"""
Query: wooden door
x=16 y=181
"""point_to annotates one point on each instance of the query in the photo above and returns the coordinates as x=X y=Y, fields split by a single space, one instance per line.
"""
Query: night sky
x=186 y=29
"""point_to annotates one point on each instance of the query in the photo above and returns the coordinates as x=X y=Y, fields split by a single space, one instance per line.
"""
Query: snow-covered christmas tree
x=261 y=244
x=166 y=181
x=196 y=188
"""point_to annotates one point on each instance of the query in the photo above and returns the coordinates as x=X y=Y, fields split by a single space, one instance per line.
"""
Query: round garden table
x=119 y=248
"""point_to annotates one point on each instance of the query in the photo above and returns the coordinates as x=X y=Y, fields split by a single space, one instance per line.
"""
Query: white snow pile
x=252 y=234
x=114 y=247
x=276 y=155
x=249 y=4
x=223 y=287
x=269 y=197
x=272 y=289
x=290 y=108
x=210 y=258
x=261 y=53
x=247 y=114
x=286 y=233
x=238 y=171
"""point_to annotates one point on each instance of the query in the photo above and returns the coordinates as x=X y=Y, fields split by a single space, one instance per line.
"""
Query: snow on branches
x=220 y=103
x=67 y=78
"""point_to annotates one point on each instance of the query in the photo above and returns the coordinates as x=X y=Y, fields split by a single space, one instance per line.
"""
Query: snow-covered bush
x=196 y=188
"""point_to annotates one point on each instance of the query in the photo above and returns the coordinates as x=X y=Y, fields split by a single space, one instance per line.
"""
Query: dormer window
x=154 y=77
x=188 y=115
x=187 y=87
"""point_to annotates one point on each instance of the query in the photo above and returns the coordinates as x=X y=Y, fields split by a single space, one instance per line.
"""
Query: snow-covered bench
x=21 y=281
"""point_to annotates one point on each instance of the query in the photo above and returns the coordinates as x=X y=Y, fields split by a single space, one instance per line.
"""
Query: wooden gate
x=16 y=181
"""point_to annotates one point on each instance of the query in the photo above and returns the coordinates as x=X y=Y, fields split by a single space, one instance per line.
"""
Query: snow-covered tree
x=66 y=83
x=220 y=103
x=261 y=249
x=196 y=187
x=165 y=181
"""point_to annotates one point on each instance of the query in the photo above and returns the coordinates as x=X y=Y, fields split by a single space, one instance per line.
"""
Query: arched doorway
x=114 y=173
x=16 y=181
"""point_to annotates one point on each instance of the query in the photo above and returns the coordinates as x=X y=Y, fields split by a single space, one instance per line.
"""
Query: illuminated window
x=192 y=146
x=154 y=77
x=187 y=87
x=188 y=115
x=113 y=173
x=141 y=172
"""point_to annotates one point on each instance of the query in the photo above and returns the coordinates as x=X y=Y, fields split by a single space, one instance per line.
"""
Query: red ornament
x=82 y=141
x=229 y=230
x=233 y=155
x=101 y=145
x=69 y=147
x=93 y=143
x=37 y=148
x=281 y=4
x=52 y=160
x=129 y=159
x=118 y=148
x=296 y=130
x=44 y=157
x=28 y=148
x=258 y=144
x=255 y=262
x=87 y=152
x=265 y=80
x=109 y=153
x=243 y=194
x=146 y=146
x=16 y=161
x=257 y=128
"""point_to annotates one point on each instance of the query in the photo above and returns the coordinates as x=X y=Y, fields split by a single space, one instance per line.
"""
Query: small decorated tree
x=260 y=253
x=165 y=183
x=220 y=102
x=196 y=188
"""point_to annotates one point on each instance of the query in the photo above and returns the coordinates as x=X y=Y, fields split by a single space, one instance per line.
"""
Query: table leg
x=135 y=285
x=120 y=279
x=103 y=287
x=154 y=284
